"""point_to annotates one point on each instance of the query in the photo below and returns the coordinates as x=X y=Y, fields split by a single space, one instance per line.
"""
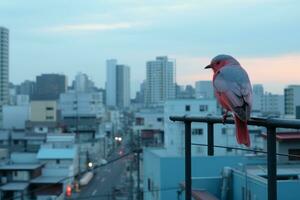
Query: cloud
x=90 y=27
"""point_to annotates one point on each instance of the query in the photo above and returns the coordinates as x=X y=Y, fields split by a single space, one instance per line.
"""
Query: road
x=105 y=179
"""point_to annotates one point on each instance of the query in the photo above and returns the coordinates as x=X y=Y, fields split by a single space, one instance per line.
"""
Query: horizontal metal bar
x=266 y=122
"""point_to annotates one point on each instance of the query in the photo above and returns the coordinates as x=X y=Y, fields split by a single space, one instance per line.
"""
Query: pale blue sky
x=60 y=36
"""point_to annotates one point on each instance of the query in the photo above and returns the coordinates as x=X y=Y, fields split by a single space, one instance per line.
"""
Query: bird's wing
x=234 y=83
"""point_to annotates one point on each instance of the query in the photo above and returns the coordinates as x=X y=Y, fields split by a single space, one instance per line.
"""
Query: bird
x=233 y=90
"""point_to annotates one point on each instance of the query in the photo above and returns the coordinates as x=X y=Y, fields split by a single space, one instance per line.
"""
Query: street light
x=90 y=165
x=118 y=139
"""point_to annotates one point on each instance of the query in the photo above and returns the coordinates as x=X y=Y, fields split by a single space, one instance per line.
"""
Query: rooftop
x=47 y=153
x=15 y=186
x=20 y=166
x=286 y=136
x=48 y=179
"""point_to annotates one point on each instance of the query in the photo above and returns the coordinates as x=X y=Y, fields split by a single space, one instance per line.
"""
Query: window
x=139 y=121
x=15 y=173
x=49 y=117
x=49 y=108
x=57 y=161
x=197 y=131
x=159 y=119
x=224 y=130
x=187 y=108
x=16 y=141
x=203 y=108
x=149 y=184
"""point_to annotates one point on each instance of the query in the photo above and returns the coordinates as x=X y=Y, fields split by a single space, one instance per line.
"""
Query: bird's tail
x=242 y=133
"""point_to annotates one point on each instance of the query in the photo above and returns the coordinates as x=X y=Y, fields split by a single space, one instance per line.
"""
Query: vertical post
x=188 y=161
x=272 y=163
x=138 y=170
x=210 y=139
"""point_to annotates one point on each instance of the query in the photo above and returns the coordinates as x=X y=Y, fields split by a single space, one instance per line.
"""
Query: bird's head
x=221 y=61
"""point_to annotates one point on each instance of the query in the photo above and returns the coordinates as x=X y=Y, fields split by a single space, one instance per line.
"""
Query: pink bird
x=234 y=92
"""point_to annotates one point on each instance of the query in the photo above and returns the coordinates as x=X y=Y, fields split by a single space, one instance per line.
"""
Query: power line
x=250 y=150
x=69 y=177
x=111 y=195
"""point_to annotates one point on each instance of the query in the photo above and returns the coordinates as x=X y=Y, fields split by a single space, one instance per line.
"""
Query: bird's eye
x=218 y=62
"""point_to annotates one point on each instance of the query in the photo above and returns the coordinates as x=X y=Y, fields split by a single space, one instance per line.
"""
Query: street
x=105 y=179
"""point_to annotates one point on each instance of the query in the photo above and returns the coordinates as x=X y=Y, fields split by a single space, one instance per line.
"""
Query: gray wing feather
x=235 y=83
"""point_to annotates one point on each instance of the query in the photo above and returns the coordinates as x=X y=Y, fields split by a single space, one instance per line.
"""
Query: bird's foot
x=225 y=117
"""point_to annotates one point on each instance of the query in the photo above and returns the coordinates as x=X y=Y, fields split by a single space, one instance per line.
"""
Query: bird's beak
x=207 y=67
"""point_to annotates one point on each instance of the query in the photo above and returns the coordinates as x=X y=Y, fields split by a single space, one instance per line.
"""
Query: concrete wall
x=15 y=116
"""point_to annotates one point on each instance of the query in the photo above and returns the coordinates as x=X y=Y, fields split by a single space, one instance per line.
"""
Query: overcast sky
x=70 y=36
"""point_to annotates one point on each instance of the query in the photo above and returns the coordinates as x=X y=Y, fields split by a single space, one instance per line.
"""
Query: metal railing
x=270 y=123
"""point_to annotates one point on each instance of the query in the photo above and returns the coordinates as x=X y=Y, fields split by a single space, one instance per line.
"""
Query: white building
x=223 y=134
x=273 y=104
x=174 y=131
x=81 y=104
x=258 y=98
x=14 y=117
x=149 y=125
x=291 y=99
x=82 y=83
x=160 y=81
x=4 y=68
x=117 y=84
x=204 y=90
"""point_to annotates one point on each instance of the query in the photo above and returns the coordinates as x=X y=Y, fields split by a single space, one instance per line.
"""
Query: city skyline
x=133 y=32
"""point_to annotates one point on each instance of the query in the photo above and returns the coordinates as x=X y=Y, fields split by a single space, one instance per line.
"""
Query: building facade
x=50 y=86
x=117 y=84
x=160 y=81
x=291 y=99
x=204 y=90
x=4 y=68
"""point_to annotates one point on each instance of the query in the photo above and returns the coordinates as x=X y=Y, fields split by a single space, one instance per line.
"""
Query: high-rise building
x=258 y=98
x=123 y=86
x=185 y=92
x=117 y=84
x=50 y=86
x=291 y=99
x=27 y=88
x=111 y=82
x=273 y=104
x=82 y=83
x=4 y=68
x=204 y=90
x=160 y=81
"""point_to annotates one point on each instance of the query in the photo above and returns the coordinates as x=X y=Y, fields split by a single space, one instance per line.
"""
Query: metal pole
x=138 y=177
x=188 y=161
x=210 y=139
x=272 y=164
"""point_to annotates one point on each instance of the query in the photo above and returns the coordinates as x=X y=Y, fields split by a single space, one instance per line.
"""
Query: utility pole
x=138 y=169
x=130 y=197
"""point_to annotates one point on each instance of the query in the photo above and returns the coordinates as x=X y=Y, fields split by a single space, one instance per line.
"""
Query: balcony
x=269 y=123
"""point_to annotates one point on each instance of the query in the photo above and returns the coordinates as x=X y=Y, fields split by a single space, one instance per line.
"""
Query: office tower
x=291 y=99
x=50 y=86
x=117 y=84
x=160 y=81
